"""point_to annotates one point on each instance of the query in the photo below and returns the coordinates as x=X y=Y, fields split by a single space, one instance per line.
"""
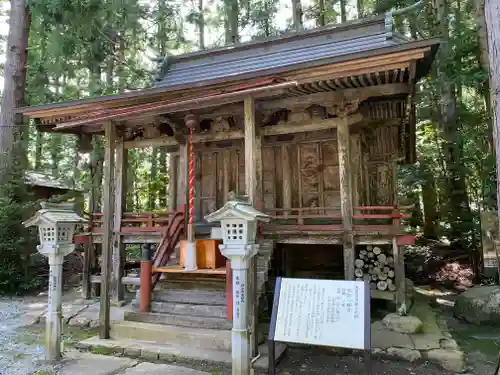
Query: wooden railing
x=365 y=218
x=134 y=222
x=170 y=238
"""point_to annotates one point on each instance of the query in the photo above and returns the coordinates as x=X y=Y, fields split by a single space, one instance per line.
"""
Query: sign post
x=239 y=229
x=334 y=313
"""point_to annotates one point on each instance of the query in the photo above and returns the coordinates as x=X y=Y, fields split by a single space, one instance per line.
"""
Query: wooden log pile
x=376 y=266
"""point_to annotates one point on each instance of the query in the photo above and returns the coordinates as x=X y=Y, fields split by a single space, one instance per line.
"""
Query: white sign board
x=322 y=312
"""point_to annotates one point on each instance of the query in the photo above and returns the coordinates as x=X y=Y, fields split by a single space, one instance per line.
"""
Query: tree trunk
x=235 y=12
x=429 y=200
x=131 y=167
x=321 y=13
x=201 y=25
x=492 y=15
x=458 y=200
x=153 y=178
x=297 y=15
x=55 y=153
x=14 y=82
x=97 y=154
x=38 y=150
x=343 y=11
x=483 y=59
x=163 y=178
x=360 y=8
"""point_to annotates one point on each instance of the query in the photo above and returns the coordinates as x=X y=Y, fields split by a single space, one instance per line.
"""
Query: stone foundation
x=421 y=335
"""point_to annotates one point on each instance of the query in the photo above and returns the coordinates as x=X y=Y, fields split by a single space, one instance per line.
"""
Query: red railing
x=134 y=222
x=169 y=241
x=386 y=219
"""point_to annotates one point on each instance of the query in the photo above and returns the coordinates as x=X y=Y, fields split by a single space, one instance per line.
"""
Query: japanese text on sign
x=323 y=312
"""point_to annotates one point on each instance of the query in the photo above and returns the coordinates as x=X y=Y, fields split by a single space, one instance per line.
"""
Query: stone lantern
x=239 y=222
x=56 y=225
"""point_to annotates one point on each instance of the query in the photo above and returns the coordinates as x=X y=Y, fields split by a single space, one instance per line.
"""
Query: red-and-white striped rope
x=191 y=177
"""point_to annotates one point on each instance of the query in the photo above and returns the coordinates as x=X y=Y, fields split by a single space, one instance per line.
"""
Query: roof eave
x=325 y=61
x=37 y=111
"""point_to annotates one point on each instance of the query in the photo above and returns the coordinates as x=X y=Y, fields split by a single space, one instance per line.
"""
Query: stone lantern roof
x=53 y=214
x=237 y=209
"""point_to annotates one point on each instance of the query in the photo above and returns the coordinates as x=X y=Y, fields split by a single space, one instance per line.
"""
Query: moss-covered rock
x=479 y=305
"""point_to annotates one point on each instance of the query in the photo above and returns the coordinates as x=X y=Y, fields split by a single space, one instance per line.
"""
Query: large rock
x=479 y=305
x=451 y=360
x=403 y=324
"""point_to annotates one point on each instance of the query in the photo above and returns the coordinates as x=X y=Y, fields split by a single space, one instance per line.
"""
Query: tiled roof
x=279 y=54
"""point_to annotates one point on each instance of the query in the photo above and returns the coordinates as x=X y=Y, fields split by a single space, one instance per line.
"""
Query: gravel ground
x=316 y=361
x=20 y=350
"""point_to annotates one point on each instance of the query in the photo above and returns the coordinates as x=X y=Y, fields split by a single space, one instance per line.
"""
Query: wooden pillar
x=346 y=196
x=172 y=182
x=120 y=200
x=397 y=250
x=250 y=149
x=146 y=279
x=287 y=179
x=356 y=168
x=253 y=184
x=107 y=245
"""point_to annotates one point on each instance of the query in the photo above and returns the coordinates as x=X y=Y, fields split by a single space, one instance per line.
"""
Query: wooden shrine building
x=310 y=126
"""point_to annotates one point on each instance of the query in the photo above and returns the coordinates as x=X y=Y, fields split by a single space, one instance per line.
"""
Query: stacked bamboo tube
x=374 y=265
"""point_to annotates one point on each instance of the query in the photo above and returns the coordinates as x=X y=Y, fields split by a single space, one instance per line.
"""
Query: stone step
x=179 y=320
x=216 y=311
x=211 y=358
x=188 y=282
x=214 y=339
x=199 y=297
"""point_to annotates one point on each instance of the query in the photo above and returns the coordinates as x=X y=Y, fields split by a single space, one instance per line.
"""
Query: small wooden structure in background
x=45 y=186
x=310 y=126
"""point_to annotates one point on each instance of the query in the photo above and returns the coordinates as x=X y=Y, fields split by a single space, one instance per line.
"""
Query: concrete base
x=175 y=353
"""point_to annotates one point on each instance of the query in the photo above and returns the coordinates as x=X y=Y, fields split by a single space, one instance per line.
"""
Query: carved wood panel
x=380 y=149
x=301 y=174
x=269 y=187
x=217 y=172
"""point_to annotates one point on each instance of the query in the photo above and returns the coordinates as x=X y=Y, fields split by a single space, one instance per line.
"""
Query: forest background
x=80 y=48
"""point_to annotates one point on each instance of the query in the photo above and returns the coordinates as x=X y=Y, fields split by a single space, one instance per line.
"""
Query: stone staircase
x=188 y=319
x=189 y=309
x=186 y=300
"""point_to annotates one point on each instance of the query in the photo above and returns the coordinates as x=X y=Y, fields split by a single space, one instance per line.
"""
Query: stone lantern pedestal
x=56 y=225
x=239 y=228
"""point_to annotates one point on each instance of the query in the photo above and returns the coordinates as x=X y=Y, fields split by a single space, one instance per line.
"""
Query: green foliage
x=107 y=47
x=21 y=263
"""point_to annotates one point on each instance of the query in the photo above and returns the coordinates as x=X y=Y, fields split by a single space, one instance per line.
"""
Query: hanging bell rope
x=191 y=123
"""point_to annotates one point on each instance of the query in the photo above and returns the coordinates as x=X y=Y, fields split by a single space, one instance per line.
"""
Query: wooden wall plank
x=226 y=174
x=287 y=182
x=208 y=190
x=268 y=179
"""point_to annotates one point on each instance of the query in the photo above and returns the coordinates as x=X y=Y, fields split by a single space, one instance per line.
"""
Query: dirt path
x=20 y=349
x=322 y=362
